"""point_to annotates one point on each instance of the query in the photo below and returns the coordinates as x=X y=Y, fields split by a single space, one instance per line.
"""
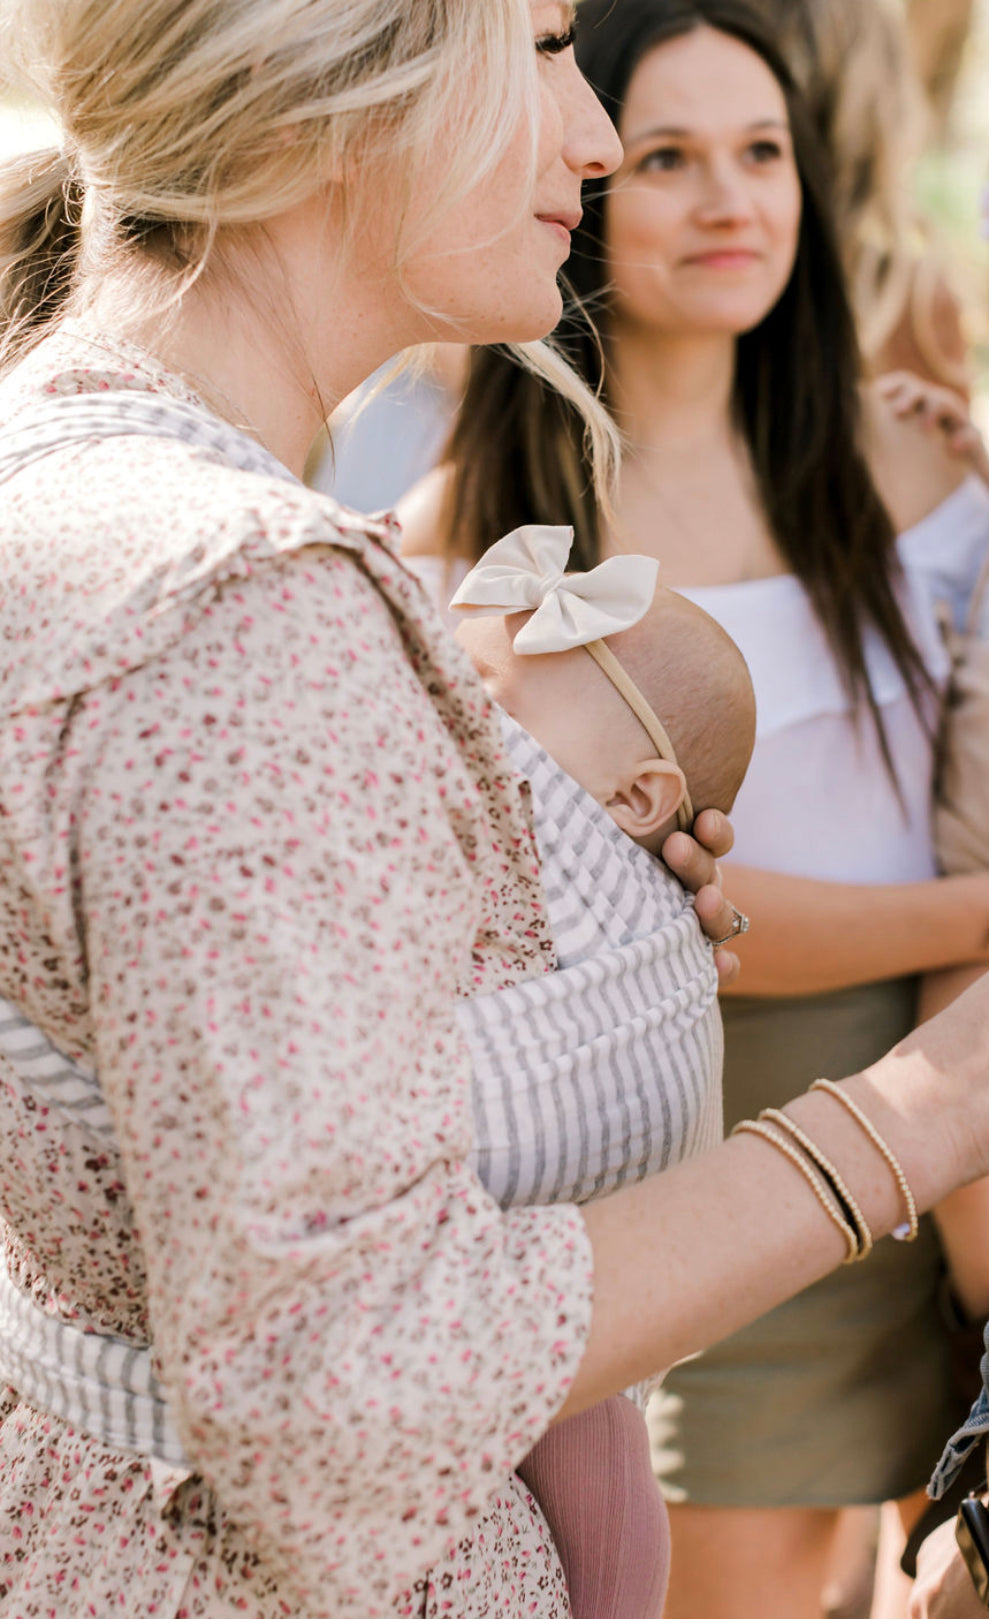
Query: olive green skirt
x=844 y=1394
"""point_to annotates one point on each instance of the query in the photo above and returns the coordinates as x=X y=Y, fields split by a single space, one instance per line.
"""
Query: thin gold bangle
x=838 y=1186
x=907 y=1232
x=814 y=1181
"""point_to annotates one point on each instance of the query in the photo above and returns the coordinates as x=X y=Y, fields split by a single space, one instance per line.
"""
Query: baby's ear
x=647 y=798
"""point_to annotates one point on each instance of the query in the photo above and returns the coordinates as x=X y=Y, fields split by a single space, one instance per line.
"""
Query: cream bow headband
x=525 y=572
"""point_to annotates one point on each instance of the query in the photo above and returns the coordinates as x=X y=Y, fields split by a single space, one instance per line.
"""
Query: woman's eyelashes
x=556 y=44
x=666 y=159
x=663 y=159
x=766 y=151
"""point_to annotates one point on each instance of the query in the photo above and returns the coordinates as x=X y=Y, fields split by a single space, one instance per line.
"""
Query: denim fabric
x=961 y=1445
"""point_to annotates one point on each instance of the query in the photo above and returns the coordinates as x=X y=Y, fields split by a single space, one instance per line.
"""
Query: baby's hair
x=694 y=676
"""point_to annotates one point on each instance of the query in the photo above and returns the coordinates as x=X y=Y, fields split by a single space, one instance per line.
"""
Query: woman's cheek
x=640 y=259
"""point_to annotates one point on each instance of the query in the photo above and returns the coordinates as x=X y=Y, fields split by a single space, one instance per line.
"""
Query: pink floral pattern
x=257 y=832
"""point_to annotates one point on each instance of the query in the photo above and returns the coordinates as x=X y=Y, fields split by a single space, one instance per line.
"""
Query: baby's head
x=690 y=673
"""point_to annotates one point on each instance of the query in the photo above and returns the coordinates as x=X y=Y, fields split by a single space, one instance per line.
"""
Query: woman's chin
x=733 y=316
x=530 y=320
x=715 y=317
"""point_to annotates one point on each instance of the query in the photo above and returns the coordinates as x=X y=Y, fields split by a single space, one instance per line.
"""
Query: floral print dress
x=257 y=833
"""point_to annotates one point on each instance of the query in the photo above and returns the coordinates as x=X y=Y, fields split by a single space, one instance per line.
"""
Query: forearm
x=808 y=937
x=962 y=1218
x=939 y=989
x=685 y=1259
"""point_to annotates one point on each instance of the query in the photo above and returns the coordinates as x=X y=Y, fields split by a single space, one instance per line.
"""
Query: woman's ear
x=647 y=798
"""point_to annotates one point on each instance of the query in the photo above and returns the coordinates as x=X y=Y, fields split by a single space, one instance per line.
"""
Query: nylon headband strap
x=647 y=718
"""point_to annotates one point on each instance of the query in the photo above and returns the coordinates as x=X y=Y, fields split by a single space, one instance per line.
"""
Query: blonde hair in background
x=852 y=58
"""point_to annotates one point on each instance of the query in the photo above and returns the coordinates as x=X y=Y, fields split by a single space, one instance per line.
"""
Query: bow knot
x=526 y=572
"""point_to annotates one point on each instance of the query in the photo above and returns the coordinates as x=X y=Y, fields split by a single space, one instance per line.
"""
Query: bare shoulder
x=420 y=513
x=911 y=465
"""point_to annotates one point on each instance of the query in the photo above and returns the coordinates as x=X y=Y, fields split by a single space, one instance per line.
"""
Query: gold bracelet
x=814 y=1181
x=848 y=1204
x=907 y=1232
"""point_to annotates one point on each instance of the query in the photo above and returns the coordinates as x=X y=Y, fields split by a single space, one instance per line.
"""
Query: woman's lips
x=562 y=224
x=727 y=258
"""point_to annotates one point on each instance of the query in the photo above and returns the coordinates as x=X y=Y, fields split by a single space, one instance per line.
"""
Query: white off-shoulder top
x=818 y=800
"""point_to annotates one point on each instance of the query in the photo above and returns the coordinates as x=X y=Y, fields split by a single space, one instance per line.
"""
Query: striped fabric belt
x=99 y=1384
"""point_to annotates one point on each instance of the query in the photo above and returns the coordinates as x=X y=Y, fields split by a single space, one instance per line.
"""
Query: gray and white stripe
x=100 y=1384
x=80 y=418
x=55 y=1081
x=609 y=1069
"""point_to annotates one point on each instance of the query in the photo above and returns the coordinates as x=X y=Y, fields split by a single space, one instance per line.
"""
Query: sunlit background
x=951 y=187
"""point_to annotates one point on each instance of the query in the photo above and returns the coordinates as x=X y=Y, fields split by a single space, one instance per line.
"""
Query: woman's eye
x=766 y=151
x=664 y=159
x=556 y=44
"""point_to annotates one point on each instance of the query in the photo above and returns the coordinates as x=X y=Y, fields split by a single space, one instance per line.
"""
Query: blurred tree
x=938 y=31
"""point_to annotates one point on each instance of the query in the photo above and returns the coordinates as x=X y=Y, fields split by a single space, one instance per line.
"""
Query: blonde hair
x=183 y=118
x=852 y=59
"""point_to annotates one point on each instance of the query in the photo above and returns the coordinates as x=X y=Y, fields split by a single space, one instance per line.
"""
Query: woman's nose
x=591 y=146
x=725 y=197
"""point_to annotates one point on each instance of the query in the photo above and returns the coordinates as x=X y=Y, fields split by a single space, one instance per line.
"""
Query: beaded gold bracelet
x=908 y=1230
x=839 y=1188
x=818 y=1186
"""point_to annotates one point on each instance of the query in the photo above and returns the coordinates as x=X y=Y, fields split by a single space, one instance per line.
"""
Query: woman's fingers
x=717 y=916
x=714 y=832
x=933 y=406
x=944 y=1587
x=694 y=859
x=694 y=864
x=728 y=966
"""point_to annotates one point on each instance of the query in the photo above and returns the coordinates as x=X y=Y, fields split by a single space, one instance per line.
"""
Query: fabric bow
x=525 y=571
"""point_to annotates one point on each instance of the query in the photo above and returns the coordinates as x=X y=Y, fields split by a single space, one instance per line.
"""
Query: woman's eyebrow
x=681 y=132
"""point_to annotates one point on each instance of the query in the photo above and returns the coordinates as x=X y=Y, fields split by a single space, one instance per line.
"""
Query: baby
x=593 y=705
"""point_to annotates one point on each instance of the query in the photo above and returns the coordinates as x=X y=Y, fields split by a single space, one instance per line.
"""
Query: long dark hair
x=517 y=450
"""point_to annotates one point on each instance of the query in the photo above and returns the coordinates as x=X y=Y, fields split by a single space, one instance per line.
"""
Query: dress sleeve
x=273 y=858
x=946 y=552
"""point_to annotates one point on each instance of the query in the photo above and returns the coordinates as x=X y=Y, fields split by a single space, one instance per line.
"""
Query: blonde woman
x=852 y=58
x=267 y=1344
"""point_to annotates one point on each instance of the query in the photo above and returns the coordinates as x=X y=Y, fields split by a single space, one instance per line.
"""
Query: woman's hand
x=944 y=1588
x=694 y=860
x=940 y=410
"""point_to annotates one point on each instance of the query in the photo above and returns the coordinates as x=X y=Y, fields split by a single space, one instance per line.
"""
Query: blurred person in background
x=939 y=31
x=389 y=433
x=853 y=60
